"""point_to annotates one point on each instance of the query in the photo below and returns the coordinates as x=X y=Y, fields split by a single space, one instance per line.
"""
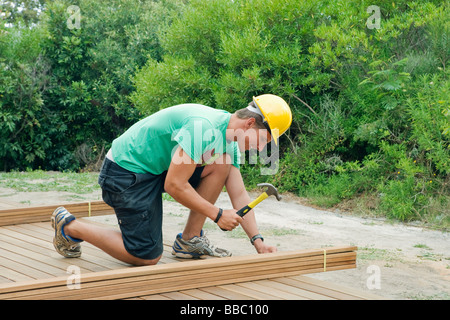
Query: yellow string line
x=324 y=260
x=89 y=209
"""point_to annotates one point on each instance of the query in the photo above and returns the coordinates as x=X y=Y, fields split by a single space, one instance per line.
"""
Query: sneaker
x=64 y=244
x=196 y=248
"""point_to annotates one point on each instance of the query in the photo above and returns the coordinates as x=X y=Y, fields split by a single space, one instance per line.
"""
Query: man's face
x=257 y=139
x=250 y=137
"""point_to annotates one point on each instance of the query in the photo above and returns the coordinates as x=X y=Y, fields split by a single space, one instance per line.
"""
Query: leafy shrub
x=65 y=90
x=24 y=74
x=371 y=107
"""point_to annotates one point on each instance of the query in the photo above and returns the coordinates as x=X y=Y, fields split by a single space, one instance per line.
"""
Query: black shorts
x=137 y=202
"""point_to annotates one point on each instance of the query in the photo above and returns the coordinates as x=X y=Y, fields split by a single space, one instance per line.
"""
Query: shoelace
x=204 y=240
x=205 y=243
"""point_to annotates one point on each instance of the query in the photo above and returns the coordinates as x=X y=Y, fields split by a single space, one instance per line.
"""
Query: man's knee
x=145 y=262
x=221 y=166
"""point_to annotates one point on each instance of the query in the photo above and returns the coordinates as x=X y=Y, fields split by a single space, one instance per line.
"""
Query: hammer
x=270 y=191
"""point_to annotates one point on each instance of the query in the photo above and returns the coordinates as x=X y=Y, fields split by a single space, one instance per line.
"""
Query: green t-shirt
x=148 y=145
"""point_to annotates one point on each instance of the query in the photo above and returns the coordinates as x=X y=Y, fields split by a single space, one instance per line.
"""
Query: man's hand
x=261 y=247
x=239 y=198
x=229 y=220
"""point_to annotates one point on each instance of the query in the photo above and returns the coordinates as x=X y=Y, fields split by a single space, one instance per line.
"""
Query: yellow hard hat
x=276 y=112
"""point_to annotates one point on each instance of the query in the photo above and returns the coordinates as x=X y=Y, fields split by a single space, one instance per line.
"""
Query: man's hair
x=247 y=114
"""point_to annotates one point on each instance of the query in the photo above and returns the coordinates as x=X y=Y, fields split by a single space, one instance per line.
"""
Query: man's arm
x=240 y=198
x=177 y=185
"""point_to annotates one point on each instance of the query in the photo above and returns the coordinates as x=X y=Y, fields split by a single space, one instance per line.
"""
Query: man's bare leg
x=105 y=239
x=212 y=182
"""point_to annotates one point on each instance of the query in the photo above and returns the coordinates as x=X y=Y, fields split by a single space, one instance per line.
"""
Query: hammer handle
x=242 y=212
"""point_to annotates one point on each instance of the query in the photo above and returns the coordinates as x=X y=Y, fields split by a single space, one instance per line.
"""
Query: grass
x=239 y=233
x=368 y=254
x=422 y=246
x=436 y=217
x=421 y=296
x=268 y=232
x=42 y=181
x=427 y=254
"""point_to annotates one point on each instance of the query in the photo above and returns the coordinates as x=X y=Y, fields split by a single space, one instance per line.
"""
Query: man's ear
x=250 y=123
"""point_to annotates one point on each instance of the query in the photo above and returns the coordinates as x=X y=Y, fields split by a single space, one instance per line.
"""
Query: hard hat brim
x=274 y=133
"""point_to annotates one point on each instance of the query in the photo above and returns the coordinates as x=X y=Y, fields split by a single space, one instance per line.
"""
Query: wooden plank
x=296 y=291
x=116 y=278
x=13 y=262
x=352 y=293
x=46 y=255
x=87 y=248
x=33 y=242
x=317 y=288
x=226 y=293
x=44 y=231
x=202 y=294
x=121 y=285
x=10 y=275
x=43 y=213
x=254 y=294
x=227 y=278
x=195 y=283
x=274 y=292
x=126 y=290
x=11 y=254
x=44 y=237
x=150 y=284
x=263 y=260
x=155 y=297
x=123 y=290
x=177 y=295
x=132 y=282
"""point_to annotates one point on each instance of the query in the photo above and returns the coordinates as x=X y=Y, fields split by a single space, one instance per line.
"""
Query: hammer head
x=271 y=190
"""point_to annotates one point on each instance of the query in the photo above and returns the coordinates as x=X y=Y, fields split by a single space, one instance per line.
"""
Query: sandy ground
x=395 y=261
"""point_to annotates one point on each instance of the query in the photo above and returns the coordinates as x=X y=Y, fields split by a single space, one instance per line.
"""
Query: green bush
x=370 y=105
x=371 y=109
x=64 y=91
x=92 y=66
x=24 y=74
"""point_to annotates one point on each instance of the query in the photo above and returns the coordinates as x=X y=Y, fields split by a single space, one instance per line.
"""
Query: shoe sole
x=187 y=255
x=67 y=253
x=54 y=214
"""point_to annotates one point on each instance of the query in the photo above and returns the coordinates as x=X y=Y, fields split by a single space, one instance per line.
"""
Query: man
x=191 y=152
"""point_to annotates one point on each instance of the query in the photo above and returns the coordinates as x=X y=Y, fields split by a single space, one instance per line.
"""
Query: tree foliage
x=65 y=89
x=371 y=105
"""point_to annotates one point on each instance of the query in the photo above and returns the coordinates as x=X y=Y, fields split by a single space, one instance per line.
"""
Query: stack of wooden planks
x=138 y=281
x=152 y=281
x=40 y=214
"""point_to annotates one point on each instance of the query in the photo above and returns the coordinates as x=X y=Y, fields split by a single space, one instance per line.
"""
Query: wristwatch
x=253 y=239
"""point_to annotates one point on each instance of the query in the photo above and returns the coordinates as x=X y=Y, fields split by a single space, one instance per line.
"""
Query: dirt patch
x=395 y=260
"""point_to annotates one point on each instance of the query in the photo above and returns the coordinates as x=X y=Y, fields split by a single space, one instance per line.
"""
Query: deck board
x=27 y=253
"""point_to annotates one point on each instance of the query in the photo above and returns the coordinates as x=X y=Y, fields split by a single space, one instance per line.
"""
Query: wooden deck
x=28 y=260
